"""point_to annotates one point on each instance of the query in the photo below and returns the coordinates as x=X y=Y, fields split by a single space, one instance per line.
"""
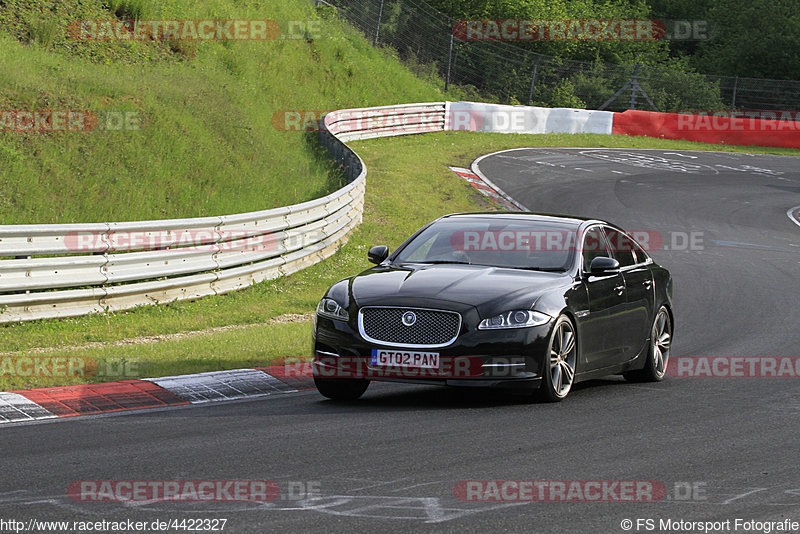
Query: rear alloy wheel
x=562 y=357
x=658 y=354
x=341 y=388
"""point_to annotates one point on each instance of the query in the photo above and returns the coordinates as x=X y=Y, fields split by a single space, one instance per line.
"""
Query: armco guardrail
x=62 y=270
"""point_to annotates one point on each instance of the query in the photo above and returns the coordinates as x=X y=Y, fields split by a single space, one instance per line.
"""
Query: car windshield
x=512 y=243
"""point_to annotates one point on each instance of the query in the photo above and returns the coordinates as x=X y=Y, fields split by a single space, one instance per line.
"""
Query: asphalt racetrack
x=722 y=448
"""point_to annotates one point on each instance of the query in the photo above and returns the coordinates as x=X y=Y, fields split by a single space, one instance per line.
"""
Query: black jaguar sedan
x=526 y=302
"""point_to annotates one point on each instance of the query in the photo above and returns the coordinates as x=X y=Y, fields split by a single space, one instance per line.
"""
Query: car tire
x=560 y=361
x=655 y=368
x=341 y=388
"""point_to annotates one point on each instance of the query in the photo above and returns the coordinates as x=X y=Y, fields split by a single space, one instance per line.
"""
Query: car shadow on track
x=451 y=398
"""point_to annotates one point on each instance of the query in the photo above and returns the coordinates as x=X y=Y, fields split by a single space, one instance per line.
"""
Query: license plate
x=402 y=358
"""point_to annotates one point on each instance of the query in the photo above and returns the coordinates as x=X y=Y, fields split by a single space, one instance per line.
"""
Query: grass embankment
x=408 y=184
x=206 y=144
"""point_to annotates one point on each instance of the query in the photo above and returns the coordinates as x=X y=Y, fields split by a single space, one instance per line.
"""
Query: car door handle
x=647 y=284
x=619 y=289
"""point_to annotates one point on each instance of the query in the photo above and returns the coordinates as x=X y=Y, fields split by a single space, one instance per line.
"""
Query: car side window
x=641 y=255
x=622 y=246
x=594 y=246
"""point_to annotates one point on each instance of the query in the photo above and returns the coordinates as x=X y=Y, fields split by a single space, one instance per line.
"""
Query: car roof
x=567 y=220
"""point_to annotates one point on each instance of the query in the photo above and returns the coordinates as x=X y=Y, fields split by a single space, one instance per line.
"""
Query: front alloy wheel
x=563 y=357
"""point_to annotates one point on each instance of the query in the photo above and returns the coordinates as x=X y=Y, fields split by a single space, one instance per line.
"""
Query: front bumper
x=511 y=359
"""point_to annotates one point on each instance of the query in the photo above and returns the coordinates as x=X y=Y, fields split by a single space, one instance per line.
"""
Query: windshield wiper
x=542 y=269
x=459 y=262
x=436 y=262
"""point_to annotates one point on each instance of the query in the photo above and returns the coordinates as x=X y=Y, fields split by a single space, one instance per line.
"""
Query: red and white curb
x=488 y=189
x=222 y=385
x=15 y=407
x=70 y=401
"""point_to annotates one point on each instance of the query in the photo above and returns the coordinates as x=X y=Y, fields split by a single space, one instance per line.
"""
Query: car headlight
x=330 y=308
x=514 y=319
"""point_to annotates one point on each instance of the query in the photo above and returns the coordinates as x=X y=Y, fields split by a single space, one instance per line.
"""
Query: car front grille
x=430 y=329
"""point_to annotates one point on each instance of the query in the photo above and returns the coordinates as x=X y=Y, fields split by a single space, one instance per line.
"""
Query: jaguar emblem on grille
x=409 y=318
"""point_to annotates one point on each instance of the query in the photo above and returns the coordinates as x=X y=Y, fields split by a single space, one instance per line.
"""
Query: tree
x=759 y=39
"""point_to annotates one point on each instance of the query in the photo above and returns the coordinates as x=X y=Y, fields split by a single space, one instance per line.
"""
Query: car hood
x=468 y=285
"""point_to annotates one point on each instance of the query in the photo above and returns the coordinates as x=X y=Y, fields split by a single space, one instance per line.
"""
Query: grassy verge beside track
x=408 y=184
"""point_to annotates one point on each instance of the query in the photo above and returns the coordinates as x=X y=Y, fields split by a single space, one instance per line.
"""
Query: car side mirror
x=378 y=253
x=604 y=265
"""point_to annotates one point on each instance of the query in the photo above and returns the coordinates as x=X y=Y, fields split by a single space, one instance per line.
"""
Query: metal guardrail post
x=533 y=79
x=634 y=86
x=449 y=63
x=378 y=24
x=633 y=83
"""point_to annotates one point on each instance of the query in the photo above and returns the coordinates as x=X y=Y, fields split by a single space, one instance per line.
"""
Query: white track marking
x=477 y=171
x=375 y=485
x=791 y=216
x=742 y=495
x=417 y=485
